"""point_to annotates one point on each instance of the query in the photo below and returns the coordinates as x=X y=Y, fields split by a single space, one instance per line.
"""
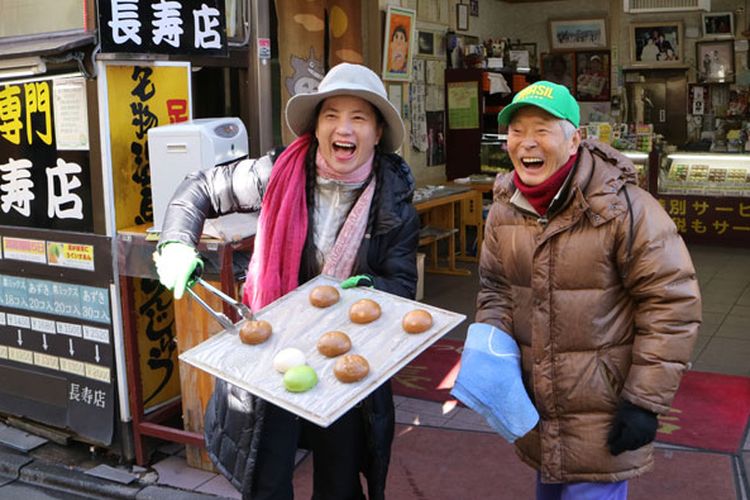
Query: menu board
x=56 y=344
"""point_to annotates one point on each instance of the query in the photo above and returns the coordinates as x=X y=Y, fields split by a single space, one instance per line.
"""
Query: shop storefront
x=79 y=92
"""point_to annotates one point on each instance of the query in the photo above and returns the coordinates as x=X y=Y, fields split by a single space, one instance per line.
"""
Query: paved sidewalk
x=440 y=452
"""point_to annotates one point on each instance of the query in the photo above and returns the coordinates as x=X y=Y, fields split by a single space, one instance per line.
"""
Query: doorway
x=659 y=97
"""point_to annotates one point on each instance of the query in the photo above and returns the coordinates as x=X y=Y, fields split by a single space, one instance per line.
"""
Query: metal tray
x=296 y=323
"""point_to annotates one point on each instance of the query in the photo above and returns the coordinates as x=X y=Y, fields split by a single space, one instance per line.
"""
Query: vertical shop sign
x=139 y=98
x=56 y=348
x=44 y=183
x=167 y=27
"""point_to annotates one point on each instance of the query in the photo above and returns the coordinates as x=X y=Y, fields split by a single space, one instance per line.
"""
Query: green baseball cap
x=553 y=98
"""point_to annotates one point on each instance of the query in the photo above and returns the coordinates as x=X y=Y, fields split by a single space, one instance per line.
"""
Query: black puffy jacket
x=234 y=418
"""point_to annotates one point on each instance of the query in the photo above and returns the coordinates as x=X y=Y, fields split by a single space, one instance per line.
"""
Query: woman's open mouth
x=343 y=149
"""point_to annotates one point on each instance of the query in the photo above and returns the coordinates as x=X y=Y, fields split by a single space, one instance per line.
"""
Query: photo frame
x=398 y=44
x=656 y=45
x=593 y=75
x=578 y=34
x=530 y=47
x=699 y=99
x=462 y=17
x=519 y=59
x=425 y=43
x=718 y=24
x=715 y=61
x=560 y=68
x=474 y=8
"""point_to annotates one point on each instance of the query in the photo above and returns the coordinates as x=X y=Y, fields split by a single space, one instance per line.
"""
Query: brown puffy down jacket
x=604 y=304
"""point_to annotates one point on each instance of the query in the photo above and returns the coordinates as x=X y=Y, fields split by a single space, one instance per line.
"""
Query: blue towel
x=489 y=382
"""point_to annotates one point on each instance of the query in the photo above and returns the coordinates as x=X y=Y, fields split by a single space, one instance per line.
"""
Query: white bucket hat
x=353 y=80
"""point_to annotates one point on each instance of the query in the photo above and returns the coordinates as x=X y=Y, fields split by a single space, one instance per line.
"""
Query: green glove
x=358 y=280
x=175 y=264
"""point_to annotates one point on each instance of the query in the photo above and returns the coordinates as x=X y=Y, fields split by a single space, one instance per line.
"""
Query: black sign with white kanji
x=40 y=185
x=165 y=27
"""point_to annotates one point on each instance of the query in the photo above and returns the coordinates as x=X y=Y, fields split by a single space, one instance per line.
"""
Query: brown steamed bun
x=331 y=344
x=364 y=311
x=255 y=332
x=417 y=321
x=351 y=368
x=324 y=296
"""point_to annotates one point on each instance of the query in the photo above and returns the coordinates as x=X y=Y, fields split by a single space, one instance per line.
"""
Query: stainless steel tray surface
x=297 y=323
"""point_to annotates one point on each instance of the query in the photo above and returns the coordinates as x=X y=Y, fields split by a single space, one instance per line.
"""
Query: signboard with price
x=56 y=347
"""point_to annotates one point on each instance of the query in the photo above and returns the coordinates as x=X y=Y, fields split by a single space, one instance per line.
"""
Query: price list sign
x=56 y=348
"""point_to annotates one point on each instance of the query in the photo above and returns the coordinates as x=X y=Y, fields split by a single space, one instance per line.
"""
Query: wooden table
x=447 y=212
x=192 y=326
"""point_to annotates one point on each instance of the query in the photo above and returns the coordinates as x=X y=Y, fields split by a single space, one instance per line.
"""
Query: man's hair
x=568 y=129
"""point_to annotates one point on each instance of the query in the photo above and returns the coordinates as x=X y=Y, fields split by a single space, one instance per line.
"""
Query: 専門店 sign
x=167 y=27
x=44 y=159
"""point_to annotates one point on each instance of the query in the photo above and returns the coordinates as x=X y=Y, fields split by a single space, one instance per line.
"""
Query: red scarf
x=282 y=229
x=541 y=195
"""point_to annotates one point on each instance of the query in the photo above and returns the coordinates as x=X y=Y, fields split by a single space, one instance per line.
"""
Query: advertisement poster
x=139 y=98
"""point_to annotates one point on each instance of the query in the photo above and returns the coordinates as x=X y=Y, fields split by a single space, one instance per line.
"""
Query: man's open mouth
x=532 y=162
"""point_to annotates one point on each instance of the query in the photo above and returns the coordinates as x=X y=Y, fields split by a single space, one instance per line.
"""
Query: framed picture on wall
x=530 y=48
x=462 y=17
x=592 y=75
x=560 y=68
x=656 y=45
x=397 y=47
x=715 y=61
x=578 y=34
x=718 y=24
x=425 y=43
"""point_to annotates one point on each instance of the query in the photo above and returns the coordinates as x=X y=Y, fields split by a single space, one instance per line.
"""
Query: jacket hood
x=627 y=173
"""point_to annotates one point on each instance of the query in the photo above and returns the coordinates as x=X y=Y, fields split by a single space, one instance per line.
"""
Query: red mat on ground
x=710 y=411
x=438 y=464
x=430 y=375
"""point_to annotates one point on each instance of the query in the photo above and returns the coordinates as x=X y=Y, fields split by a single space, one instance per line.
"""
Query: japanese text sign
x=40 y=185
x=163 y=26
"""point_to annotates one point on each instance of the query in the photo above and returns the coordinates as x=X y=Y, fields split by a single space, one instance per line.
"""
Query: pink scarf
x=340 y=259
x=282 y=229
x=358 y=175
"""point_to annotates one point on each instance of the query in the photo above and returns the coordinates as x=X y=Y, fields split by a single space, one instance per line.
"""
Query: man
x=589 y=275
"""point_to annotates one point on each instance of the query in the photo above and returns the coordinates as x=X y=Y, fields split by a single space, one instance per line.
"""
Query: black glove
x=632 y=428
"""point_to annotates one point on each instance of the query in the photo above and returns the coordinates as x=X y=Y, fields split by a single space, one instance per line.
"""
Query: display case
x=641 y=163
x=493 y=153
x=716 y=175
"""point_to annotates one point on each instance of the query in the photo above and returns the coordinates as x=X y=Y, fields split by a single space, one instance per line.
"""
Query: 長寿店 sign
x=174 y=27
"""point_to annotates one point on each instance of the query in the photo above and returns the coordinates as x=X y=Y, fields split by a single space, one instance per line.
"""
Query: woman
x=335 y=201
